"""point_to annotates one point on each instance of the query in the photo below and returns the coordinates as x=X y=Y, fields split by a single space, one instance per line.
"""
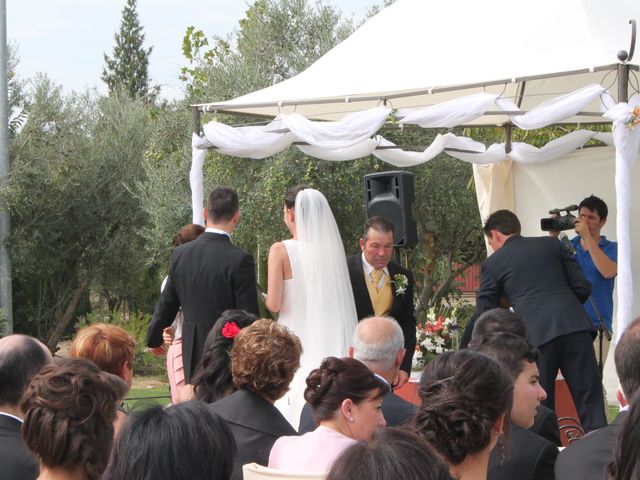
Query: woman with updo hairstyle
x=212 y=379
x=68 y=425
x=264 y=358
x=466 y=397
x=346 y=403
x=392 y=453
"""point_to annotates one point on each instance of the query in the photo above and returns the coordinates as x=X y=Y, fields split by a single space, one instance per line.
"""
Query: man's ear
x=399 y=357
x=351 y=352
x=206 y=214
x=362 y=244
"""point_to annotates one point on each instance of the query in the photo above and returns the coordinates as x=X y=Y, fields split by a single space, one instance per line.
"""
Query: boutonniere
x=400 y=283
x=634 y=120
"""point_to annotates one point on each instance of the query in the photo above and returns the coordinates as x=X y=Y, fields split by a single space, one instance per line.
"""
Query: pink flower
x=230 y=330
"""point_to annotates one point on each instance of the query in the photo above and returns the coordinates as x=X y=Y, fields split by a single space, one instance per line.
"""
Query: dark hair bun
x=321 y=379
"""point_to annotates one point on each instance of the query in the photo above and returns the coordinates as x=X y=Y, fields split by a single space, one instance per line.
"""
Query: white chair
x=253 y=471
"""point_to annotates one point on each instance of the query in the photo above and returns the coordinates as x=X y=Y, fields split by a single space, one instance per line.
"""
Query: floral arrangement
x=400 y=282
x=634 y=120
x=437 y=334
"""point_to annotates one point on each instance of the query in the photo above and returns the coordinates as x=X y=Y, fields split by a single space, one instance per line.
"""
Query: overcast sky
x=67 y=38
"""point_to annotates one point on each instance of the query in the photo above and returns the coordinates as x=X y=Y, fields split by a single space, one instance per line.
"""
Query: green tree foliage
x=76 y=222
x=16 y=91
x=127 y=69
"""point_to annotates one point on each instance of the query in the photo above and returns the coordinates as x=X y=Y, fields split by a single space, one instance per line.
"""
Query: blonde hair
x=108 y=346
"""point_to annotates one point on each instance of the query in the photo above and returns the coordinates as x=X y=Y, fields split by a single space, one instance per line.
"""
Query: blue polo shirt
x=601 y=287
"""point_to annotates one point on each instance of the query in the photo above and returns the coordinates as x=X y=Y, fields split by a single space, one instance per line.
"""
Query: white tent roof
x=453 y=48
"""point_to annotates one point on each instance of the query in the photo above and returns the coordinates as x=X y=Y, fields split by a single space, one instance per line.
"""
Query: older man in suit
x=587 y=458
x=21 y=358
x=378 y=343
x=546 y=287
x=382 y=287
x=207 y=276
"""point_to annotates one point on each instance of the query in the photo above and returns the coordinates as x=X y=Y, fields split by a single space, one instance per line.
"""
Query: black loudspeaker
x=390 y=195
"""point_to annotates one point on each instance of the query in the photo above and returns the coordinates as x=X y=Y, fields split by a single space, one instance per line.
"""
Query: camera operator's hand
x=582 y=229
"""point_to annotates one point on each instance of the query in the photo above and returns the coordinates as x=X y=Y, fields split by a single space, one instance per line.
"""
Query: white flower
x=439 y=349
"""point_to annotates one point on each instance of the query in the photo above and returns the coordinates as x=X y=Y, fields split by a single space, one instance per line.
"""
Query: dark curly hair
x=338 y=379
x=391 y=453
x=183 y=441
x=212 y=379
x=69 y=413
x=264 y=358
x=463 y=394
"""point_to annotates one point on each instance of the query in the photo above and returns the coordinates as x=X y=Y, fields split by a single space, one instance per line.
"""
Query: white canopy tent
x=463 y=63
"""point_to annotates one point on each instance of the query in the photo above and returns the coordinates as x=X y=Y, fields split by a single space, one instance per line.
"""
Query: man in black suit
x=21 y=358
x=378 y=343
x=207 y=276
x=586 y=458
x=382 y=287
x=546 y=287
x=529 y=456
x=501 y=320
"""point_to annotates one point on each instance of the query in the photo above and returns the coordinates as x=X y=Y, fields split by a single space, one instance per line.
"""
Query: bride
x=308 y=284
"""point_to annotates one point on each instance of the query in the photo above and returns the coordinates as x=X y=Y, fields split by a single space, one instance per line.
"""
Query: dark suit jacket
x=16 y=462
x=402 y=309
x=545 y=424
x=543 y=283
x=256 y=425
x=586 y=459
x=531 y=457
x=208 y=276
x=396 y=411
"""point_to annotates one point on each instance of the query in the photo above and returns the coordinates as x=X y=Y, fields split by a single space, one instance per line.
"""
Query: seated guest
x=69 y=413
x=530 y=456
x=21 y=358
x=212 y=378
x=378 y=343
x=346 y=400
x=112 y=349
x=185 y=441
x=264 y=358
x=466 y=397
x=501 y=320
x=587 y=458
x=392 y=453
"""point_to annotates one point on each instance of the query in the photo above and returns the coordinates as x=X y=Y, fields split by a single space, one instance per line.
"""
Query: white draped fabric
x=627 y=142
x=354 y=137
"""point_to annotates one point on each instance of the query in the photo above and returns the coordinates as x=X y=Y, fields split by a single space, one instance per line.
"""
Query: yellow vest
x=382 y=300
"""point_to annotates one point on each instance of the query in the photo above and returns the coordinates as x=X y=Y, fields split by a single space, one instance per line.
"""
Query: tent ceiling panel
x=417 y=45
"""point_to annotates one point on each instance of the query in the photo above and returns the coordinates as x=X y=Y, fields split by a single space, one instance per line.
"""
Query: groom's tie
x=376 y=275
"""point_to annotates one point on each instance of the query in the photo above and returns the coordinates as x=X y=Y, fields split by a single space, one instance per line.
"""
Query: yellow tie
x=376 y=275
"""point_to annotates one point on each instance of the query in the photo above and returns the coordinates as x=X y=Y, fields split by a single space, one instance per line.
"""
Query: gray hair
x=382 y=354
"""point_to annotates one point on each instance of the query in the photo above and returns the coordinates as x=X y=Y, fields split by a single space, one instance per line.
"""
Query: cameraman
x=598 y=258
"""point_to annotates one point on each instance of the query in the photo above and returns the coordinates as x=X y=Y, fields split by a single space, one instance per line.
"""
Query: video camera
x=561 y=222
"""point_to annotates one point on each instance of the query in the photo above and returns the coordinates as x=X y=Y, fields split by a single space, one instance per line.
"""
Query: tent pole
x=623 y=82
x=507 y=137
x=196 y=120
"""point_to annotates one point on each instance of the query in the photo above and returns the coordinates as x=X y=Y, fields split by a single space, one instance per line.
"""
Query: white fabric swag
x=355 y=137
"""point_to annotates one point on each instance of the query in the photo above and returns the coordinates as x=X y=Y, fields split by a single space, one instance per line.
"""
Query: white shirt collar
x=218 y=231
x=368 y=268
x=12 y=416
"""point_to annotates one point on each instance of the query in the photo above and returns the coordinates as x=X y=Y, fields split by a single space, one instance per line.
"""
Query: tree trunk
x=63 y=320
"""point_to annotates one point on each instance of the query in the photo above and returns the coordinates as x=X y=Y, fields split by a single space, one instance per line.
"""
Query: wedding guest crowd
x=235 y=379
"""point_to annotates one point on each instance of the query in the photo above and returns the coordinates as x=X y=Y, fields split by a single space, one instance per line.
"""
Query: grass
x=140 y=398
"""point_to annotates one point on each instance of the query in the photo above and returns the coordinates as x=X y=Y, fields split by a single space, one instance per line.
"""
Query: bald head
x=21 y=358
x=377 y=343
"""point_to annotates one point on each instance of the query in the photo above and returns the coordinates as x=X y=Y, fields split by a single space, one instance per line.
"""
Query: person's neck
x=226 y=227
x=336 y=426
x=47 y=473
x=12 y=410
x=474 y=467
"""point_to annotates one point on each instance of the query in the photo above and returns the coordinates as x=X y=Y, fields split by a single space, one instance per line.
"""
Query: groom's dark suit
x=402 y=309
x=208 y=276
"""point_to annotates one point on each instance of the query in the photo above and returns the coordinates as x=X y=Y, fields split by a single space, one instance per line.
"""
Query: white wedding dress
x=317 y=302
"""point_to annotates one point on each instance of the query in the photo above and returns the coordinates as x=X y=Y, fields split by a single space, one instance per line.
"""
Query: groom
x=384 y=288
x=207 y=276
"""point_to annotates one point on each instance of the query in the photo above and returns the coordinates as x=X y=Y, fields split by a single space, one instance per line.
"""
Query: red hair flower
x=230 y=330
